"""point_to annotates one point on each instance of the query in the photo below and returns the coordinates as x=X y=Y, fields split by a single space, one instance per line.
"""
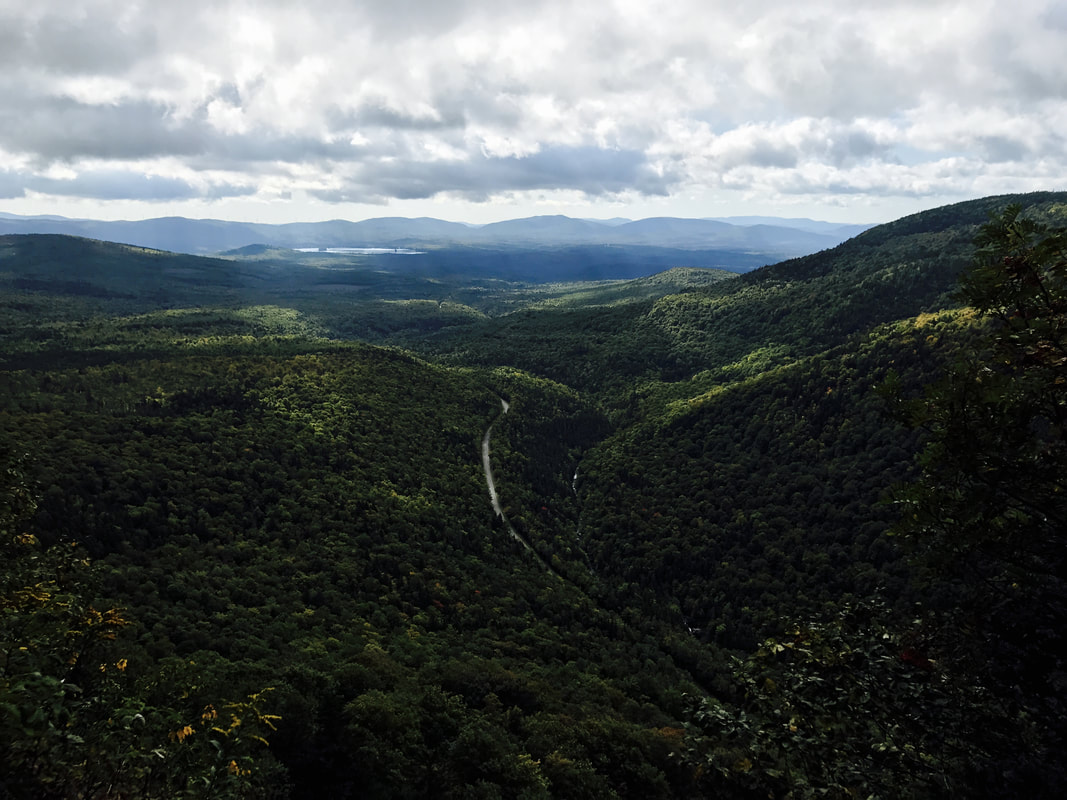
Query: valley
x=731 y=545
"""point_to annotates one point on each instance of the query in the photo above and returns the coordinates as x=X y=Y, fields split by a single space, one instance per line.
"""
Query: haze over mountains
x=773 y=237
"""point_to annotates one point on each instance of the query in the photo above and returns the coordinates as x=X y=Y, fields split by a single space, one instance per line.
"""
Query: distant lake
x=366 y=251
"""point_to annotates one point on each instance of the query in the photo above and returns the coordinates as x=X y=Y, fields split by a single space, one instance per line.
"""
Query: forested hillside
x=318 y=523
x=248 y=555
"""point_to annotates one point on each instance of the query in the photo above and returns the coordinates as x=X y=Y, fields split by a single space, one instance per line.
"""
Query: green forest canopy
x=226 y=525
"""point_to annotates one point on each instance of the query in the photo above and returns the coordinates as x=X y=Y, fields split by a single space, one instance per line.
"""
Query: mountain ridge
x=209 y=236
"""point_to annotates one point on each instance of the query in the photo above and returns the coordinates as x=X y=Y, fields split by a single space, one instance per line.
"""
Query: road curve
x=494 y=498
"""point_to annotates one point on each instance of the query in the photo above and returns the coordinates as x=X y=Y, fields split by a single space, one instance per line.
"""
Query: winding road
x=494 y=498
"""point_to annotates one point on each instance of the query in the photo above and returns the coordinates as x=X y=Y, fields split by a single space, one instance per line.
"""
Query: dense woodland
x=790 y=533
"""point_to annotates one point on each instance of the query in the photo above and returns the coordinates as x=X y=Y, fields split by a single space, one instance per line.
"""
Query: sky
x=276 y=111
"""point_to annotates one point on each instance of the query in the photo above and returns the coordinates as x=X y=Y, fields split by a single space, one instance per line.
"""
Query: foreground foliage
x=989 y=511
x=78 y=718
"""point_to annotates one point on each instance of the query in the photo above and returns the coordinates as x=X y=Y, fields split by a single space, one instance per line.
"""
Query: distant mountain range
x=771 y=236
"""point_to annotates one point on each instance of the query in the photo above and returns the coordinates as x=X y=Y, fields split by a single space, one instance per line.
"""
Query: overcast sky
x=274 y=111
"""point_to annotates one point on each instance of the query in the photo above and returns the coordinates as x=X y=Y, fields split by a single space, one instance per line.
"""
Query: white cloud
x=525 y=102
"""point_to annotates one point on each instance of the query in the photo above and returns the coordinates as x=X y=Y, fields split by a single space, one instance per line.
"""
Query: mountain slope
x=773 y=314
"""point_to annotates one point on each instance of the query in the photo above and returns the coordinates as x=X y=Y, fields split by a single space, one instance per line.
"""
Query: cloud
x=115 y=184
x=78 y=41
x=12 y=185
x=61 y=129
x=376 y=113
x=420 y=99
x=592 y=171
x=109 y=184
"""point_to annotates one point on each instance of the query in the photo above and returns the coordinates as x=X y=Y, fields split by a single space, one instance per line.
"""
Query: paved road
x=494 y=498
